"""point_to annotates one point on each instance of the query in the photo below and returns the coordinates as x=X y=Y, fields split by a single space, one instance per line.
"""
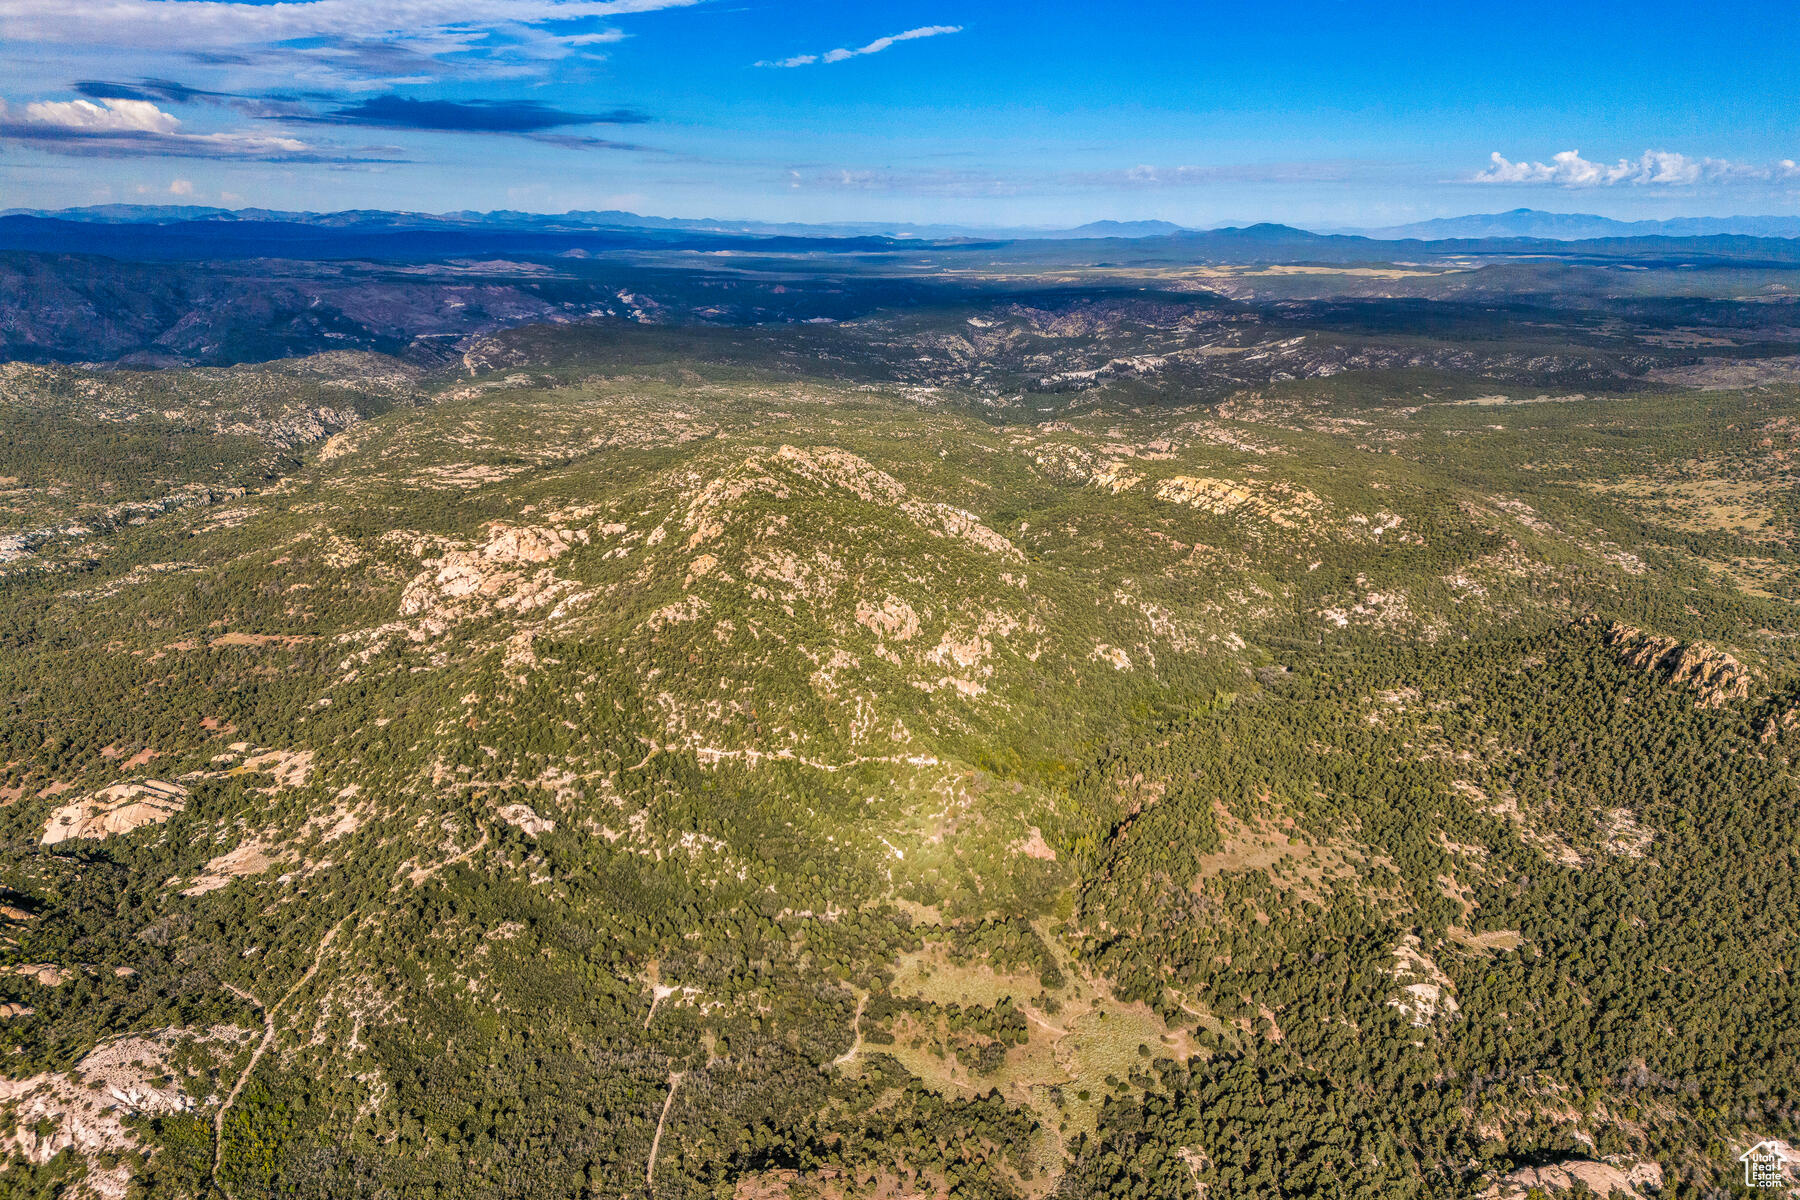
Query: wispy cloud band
x=367 y=44
x=953 y=182
x=1653 y=168
x=193 y=23
x=874 y=47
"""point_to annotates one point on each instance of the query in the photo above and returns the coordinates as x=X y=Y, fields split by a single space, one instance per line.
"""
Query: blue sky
x=1314 y=111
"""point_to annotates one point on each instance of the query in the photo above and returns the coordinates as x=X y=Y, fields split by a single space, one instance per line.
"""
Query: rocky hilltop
x=1716 y=677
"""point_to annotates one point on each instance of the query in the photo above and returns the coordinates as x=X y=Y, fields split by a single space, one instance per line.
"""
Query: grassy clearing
x=1708 y=503
x=1502 y=940
x=1083 y=1044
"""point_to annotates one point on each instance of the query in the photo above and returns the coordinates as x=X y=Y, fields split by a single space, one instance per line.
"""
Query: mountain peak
x=1535 y=223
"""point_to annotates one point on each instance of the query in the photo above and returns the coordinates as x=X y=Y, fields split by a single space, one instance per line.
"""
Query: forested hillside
x=1123 y=747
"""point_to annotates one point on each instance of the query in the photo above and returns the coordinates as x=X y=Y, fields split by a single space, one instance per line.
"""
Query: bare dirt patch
x=285 y=640
x=248 y=859
x=1034 y=846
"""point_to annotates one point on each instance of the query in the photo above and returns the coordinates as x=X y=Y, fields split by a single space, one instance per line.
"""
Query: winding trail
x=856 y=1027
x=658 y=993
x=654 y=751
x=656 y=1142
x=420 y=874
x=262 y=1047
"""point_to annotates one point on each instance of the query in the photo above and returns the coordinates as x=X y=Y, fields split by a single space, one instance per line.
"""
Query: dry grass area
x=1080 y=1036
x=1761 y=577
x=1502 y=940
x=1699 y=500
x=1270 y=844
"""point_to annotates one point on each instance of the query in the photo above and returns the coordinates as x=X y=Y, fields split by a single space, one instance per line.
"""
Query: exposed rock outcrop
x=120 y=808
x=893 y=618
x=525 y=818
x=471 y=582
x=1777 y=725
x=1719 y=678
x=248 y=859
x=88 y=1109
x=1627 y=1180
x=1425 y=996
x=1281 y=504
x=828 y=467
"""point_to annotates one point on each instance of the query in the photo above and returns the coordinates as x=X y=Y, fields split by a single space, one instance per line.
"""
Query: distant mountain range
x=1530 y=223
x=1519 y=223
x=581 y=221
x=169 y=234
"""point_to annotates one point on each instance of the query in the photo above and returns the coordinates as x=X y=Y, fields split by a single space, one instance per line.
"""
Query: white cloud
x=604 y=37
x=181 y=187
x=1653 y=168
x=874 y=47
x=138 y=128
x=196 y=24
x=108 y=116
